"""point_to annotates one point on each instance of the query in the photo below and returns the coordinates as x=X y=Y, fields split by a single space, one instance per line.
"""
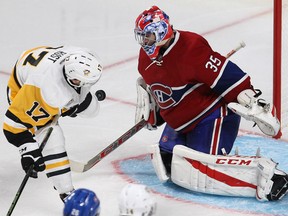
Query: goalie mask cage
x=280 y=65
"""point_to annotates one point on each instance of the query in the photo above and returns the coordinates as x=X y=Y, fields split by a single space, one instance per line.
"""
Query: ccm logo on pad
x=233 y=161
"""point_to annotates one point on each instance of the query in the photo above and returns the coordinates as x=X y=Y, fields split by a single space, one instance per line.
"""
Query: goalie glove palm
x=256 y=110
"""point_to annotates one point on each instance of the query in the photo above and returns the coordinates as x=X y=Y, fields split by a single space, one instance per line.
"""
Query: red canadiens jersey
x=191 y=81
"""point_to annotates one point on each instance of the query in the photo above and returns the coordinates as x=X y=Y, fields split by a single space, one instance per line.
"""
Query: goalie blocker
x=147 y=107
x=244 y=176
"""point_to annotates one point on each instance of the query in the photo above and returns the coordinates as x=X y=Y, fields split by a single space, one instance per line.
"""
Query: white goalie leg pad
x=142 y=107
x=220 y=175
x=263 y=116
x=157 y=163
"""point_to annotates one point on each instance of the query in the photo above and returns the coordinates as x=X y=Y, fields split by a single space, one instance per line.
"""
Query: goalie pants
x=218 y=130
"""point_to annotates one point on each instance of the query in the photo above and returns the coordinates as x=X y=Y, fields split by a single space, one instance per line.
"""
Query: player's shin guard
x=158 y=164
x=64 y=196
x=58 y=171
x=56 y=161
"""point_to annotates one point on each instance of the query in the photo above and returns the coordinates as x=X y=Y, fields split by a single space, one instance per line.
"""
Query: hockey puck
x=100 y=94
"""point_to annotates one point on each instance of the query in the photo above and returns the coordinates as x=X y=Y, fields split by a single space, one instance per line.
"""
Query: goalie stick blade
x=79 y=167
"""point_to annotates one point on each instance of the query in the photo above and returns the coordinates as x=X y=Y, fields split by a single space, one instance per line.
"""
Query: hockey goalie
x=201 y=96
x=229 y=175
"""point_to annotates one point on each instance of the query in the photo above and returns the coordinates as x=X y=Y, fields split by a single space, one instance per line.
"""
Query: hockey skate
x=279 y=188
x=64 y=196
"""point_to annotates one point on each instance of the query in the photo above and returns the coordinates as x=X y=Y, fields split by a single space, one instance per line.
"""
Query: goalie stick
x=25 y=180
x=81 y=167
x=77 y=166
x=233 y=51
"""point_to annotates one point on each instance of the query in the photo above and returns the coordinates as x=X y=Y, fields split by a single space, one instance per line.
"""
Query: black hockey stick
x=23 y=183
x=83 y=167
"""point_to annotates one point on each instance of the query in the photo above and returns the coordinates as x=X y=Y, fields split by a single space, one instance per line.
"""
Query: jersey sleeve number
x=213 y=63
x=35 y=61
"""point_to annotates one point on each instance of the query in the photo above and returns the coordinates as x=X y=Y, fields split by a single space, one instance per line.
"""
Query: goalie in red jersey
x=200 y=95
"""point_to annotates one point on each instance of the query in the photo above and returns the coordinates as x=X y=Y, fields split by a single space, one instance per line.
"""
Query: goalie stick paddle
x=77 y=166
x=25 y=180
x=81 y=167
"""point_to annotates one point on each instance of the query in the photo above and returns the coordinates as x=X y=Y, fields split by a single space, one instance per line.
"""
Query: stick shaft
x=25 y=180
x=236 y=49
x=80 y=167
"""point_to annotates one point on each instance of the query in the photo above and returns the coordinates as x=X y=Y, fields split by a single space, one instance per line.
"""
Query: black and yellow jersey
x=37 y=91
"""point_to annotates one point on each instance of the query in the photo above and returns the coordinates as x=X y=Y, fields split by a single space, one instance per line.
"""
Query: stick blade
x=77 y=166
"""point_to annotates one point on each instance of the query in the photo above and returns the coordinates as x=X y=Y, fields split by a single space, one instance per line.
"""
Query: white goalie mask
x=83 y=67
x=136 y=200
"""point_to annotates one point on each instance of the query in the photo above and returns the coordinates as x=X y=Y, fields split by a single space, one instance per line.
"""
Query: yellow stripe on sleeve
x=13 y=129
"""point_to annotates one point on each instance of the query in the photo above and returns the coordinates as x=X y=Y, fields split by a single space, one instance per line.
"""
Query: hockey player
x=136 y=200
x=82 y=202
x=47 y=82
x=200 y=94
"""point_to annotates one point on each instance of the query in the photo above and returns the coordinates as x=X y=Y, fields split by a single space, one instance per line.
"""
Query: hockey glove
x=72 y=112
x=88 y=108
x=31 y=156
x=254 y=109
x=147 y=107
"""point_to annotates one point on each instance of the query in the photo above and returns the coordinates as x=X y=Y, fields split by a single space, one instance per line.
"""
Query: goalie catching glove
x=147 y=107
x=257 y=110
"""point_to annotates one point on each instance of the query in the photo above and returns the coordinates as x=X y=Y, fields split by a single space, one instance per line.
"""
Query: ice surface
x=107 y=27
